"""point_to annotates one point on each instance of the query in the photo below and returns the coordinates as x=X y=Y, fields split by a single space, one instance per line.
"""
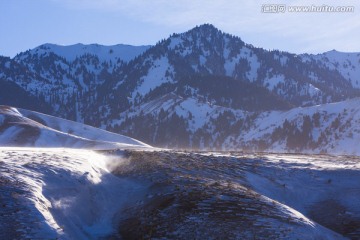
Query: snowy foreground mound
x=132 y=194
x=20 y=127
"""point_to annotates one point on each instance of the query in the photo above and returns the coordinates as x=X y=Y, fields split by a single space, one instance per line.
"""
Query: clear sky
x=25 y=24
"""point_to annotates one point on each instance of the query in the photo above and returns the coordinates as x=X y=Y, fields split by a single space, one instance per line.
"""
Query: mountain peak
x=206 y=29
x=207 y=26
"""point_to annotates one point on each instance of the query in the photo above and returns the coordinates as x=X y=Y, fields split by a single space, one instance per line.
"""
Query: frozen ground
x=133 y=194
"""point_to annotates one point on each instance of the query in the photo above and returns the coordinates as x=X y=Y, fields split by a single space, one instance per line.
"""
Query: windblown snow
x=52 y=193
x=49 y=193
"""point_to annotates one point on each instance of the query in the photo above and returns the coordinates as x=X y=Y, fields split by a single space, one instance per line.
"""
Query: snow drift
x=20 y=127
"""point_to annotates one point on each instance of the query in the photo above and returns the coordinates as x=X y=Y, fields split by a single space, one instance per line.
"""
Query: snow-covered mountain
x=327 y=128
x=209 y=84
x=113 y=53
x=347 y=64
x=206 y=51
x=20 y=127
x=82 y=194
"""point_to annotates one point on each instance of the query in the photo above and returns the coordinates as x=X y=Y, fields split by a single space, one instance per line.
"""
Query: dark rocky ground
x=195 y=196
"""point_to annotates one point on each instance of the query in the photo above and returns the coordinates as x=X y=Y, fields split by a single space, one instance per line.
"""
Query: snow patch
x=313 y=91
x=175 y=42
x=271 y=83
x=155 y=77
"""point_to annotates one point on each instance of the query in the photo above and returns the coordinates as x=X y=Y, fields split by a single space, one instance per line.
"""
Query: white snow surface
x=305 y=183
x=245 y=54
x=175 y=42
x=155 y=77
x=343 y=139
x=347 y=64
x=69 y=192
x=28 y=128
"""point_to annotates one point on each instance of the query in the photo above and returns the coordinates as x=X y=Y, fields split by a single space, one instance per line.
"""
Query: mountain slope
x=10 y=93
x=80 y=194
x=347 y=64
x=208 y=52
x=328 y=128
x=26 y=128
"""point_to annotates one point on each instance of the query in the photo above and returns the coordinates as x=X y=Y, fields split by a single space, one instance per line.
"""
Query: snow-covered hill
x=80 y=194
x=59 y=193
x=20 y=127
x=347 y=64
x=327 y=128
x=113 y=53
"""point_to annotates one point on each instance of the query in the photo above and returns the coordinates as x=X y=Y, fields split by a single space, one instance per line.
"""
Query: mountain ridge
x=204 y=66
x=123 y=52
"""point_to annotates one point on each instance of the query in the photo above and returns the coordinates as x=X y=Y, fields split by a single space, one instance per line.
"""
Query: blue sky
x=25 y=24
